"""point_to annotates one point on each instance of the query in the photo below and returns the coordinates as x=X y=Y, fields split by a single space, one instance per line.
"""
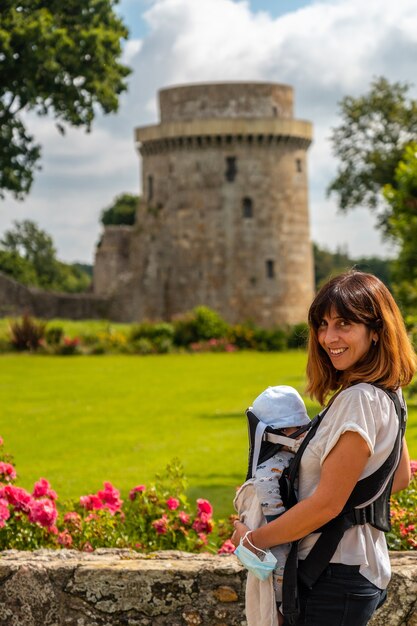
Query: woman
x=357 y=339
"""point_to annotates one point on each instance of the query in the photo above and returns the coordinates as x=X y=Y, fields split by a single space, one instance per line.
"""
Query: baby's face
x=290 y=430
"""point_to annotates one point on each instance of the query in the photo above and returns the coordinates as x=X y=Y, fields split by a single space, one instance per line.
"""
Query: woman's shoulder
x=364 y=396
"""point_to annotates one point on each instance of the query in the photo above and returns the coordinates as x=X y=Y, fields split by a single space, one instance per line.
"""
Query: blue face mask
x=262 y=569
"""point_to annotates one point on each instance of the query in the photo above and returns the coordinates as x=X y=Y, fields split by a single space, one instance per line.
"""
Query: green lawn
x=81 y=420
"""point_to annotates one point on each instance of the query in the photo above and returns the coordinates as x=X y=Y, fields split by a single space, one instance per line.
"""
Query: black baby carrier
x=376 y=487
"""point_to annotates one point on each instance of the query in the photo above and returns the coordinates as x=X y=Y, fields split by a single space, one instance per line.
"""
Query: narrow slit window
x=270 y=268
x=247 y=207
x=231 y=169
x=299 y=165
x=150 y=188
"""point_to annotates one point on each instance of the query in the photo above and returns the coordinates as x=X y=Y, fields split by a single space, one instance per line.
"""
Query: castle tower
x=224 y=220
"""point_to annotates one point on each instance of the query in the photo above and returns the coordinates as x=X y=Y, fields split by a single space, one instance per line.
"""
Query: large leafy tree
x=28 y=254
x=402 y=200
x=59 y=58
x=369 y=144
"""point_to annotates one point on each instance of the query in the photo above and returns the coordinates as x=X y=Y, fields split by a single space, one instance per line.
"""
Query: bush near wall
x=200 y=330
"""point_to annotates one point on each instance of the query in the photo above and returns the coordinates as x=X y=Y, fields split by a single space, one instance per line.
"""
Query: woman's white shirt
x=367 y=410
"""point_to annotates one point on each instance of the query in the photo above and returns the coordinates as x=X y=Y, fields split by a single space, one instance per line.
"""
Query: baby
x=282 y=410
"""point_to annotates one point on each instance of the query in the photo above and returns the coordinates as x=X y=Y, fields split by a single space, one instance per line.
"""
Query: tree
x=122 y=211
x=58 y=58
x=402 y=200
x=28 y=255
x=370 y=142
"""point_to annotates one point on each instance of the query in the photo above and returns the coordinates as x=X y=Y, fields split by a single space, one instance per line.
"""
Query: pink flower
x=226 y=548
x=73 y=519
x=203 y=523
x=65 y=539
x=43 y=512
x=204 y=506
x=172 y=504
x=161 y=525
x=42 y=488
x=91 y=502
x=110 y=496
x=203 y=538
x=136 y=490
x=87 y=547
x=7 y=471
x=1 y=441
x=184 y=517
x=19 y=498
x=4 y=511
x=413 y=467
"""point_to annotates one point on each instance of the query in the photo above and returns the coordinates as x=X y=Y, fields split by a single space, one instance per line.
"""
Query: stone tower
x=224 y=220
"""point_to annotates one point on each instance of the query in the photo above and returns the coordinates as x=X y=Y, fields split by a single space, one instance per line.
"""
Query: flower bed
x=155 y=517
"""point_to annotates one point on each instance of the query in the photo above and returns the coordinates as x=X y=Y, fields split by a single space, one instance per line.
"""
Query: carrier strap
x=377 y=485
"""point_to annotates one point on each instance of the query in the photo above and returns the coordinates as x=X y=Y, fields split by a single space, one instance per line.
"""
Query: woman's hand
x=240 y=531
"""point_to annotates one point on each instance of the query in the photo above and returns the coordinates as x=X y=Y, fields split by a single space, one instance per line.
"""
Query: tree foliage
x=57 y=58
x=28 y=255
x=328 y=264
x=122 y=211
x=402 y=199
x=370 y=142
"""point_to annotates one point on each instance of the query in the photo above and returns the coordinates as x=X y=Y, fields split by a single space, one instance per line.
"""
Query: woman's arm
x=341 y=471
x=402 y=474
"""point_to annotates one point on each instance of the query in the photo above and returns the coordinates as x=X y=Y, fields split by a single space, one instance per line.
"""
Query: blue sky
x=325 y=49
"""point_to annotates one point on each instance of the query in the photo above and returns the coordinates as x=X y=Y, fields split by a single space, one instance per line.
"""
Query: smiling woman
x=358 y=348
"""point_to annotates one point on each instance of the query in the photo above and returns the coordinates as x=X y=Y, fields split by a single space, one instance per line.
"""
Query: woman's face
x=344 y=341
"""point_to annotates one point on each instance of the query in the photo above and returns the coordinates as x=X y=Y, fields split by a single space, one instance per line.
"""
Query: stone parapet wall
x=119 y=587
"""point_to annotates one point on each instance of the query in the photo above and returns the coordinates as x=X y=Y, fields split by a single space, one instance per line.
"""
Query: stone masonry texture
x=224 y=219
x=123 y=588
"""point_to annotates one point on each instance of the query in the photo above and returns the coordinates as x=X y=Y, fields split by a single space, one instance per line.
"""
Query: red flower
x=65 y=539
x=173 y=504
x=19 y=498
x=204 y=506
x=91 y=502
x=136 y=490
x=110 y=497
x=161 y=525
x=7 y=471
x=184 y=517
x=203 y=523
x=226 y=548
x=42 y=488
x=4 y=512
x=43 y=512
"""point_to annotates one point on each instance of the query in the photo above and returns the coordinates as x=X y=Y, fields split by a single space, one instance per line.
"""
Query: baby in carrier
x=276 y=422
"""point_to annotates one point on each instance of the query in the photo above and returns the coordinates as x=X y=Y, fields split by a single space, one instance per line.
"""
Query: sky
x=325 y=49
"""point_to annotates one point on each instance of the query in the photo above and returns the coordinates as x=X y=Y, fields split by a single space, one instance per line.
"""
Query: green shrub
x=298 y=335
x=270 y=340
x=142 y=346
x=242 y=336
x=199 y=325
x=154 y=332
x=54 y=335
x=27 y=334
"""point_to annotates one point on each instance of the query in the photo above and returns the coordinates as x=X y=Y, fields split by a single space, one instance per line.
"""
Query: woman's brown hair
x=361 y=298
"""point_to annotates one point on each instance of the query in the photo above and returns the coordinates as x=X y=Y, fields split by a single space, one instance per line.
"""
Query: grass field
x=81 y=420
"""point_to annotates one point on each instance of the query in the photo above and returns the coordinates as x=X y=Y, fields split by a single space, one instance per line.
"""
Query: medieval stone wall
x=17 y=299
x=122 y=588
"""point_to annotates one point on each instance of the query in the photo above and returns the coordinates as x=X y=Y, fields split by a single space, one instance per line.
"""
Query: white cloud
x=325 y=50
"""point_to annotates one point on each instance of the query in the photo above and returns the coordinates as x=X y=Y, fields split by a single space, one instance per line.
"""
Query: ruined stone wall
x=122 y=588
x=17 y=299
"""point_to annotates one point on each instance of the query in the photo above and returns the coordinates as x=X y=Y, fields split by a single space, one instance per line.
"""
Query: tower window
x=270 y=268
x=150 y=188
x=275 y=111
x=247 y=207
x=299 y=165
x=231 y=169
